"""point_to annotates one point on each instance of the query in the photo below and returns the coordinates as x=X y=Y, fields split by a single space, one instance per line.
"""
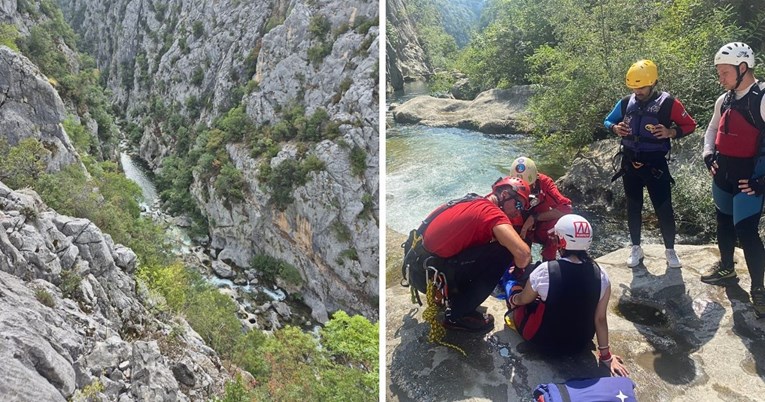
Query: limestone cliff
x=73 y=318
x=197 y=58
x=406 y=60
x=31 y=108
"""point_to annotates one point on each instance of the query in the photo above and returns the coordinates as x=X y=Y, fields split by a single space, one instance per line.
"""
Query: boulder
x=497 y=111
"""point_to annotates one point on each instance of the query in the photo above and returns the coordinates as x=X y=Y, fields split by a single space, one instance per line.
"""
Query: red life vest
x=735 y=136
x=738 y=132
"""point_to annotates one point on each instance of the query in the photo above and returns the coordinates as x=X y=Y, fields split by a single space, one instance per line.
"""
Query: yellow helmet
x=642 y=74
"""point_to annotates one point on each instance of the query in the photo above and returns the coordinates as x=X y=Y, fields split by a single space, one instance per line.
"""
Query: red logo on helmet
x=582 y=229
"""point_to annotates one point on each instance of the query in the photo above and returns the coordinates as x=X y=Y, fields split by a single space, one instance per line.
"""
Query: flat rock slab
x=681 y=339
x=497 y=111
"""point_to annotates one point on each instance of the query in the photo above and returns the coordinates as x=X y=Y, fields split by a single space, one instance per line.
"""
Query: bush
x=197 y=76
x=44 y=297
x=352 y=340
x=271 y=268
x=198 y=29
x=23 y=164
x=70 y=283
x=317 y=53
x=78 y=134
x=358 y=160
x=319 y=26
x=230 y=183
x=8 y=36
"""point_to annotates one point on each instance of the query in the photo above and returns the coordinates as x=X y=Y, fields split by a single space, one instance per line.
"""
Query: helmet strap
x=739 y=76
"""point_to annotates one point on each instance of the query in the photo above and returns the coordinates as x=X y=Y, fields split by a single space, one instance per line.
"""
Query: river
x=427 y=166
x=252 y=297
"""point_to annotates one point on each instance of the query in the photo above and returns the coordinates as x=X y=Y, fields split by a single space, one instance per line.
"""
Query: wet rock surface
x=681 y=339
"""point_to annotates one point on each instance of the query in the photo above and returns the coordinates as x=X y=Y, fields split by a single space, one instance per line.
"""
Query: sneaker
x=471 y=322
x=672 y=260
x=719 y=274
x=758 y=301
x=636 y=254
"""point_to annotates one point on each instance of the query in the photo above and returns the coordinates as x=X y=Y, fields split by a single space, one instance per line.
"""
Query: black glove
x=709 y=160
x=757 y=185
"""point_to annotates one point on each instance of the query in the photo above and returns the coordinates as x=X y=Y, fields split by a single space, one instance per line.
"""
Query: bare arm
x=527 y=296
x=508 y=237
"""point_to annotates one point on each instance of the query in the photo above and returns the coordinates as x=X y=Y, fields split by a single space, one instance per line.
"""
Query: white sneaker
x=672 y=260
x=636 y=254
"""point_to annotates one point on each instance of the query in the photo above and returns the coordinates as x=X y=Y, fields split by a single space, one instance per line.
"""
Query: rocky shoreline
x=681 y=339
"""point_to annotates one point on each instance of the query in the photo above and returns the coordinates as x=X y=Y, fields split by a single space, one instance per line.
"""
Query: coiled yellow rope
x=437 y=331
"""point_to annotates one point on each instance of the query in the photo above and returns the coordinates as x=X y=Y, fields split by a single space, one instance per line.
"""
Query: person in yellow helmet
x=646 y=121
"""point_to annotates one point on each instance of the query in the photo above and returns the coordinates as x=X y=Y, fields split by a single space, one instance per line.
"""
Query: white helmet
x=735 y=53
x=525 y=168
x=573 y=232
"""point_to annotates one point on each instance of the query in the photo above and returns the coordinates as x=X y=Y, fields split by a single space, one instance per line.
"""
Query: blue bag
x=606 y=389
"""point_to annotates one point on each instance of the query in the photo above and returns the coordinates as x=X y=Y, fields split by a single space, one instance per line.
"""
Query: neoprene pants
x=738 y=218
x=656 y=179
x=472 y=275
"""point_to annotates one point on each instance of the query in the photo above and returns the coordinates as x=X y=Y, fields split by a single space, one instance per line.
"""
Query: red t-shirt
x=550 y=197
x=462 y=226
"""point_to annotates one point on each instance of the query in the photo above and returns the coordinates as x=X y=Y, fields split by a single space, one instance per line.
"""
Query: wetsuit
x=738 y=214
x=644 y=160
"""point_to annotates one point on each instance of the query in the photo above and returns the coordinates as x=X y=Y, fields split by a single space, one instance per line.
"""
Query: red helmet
x=518 y=188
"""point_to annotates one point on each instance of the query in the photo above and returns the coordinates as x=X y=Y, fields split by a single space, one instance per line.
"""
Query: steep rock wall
x=31 y=108
x=175 y=51
x=407 y=60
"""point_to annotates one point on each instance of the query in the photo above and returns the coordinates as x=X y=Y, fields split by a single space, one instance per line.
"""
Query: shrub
x=70 y=283
x=230 y=183
x=198 y=29
x=197 y=76
x=44 y=297
x=363 y=24
x=23 y=164
x=8 y=36
x=317 y=53
x=78 y=134
x=271 y=268
x=319 y=26
x=358 y=160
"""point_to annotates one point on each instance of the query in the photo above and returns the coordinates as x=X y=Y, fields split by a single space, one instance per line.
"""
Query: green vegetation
x=577 y=54
x=358 y=160
x=198 y=29
x=44 y=297
x=288 y=363
x=271 y=268
x=8 y=36
x=426 y=16
x=320 y=27
x=22 y=165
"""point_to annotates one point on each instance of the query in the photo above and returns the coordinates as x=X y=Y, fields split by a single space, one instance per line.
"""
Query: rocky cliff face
x=72 y=317
x=193 y=57
x=31 y=108
x=406 y=58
